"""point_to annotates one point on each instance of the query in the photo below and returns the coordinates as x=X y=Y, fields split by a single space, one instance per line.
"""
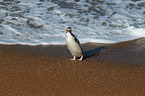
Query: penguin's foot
x=81 y=58
x=74 y=58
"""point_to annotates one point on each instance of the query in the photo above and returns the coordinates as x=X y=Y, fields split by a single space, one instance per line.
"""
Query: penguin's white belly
x=73 y=46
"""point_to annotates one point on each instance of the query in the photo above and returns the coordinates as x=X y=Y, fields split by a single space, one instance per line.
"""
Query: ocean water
x=35 y=22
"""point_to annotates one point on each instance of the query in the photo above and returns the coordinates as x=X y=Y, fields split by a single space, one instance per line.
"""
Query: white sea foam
x=45 y=23
x=139 y=32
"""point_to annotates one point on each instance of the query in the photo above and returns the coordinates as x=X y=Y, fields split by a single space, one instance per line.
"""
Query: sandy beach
x=107 y=70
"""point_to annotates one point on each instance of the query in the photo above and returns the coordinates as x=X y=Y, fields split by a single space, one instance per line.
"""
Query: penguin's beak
x=69 y=29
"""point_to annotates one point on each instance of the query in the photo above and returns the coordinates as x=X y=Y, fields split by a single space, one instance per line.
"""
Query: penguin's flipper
x=75 y=38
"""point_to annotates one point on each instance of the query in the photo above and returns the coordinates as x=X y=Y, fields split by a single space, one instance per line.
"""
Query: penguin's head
x=69 y=29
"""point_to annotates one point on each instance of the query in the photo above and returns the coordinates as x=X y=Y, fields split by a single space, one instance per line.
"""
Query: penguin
x=73 y=45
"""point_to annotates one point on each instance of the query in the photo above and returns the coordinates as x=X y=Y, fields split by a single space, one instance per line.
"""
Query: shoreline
x=108 y=69
x=108 y=51
x=56 y=44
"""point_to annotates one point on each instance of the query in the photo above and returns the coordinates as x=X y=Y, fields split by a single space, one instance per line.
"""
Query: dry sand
x=107 y=70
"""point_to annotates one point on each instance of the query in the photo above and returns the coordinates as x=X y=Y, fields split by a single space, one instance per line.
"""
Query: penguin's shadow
x=94 y=52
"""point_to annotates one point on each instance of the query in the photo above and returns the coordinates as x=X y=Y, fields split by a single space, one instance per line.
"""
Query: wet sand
x=108 y=69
